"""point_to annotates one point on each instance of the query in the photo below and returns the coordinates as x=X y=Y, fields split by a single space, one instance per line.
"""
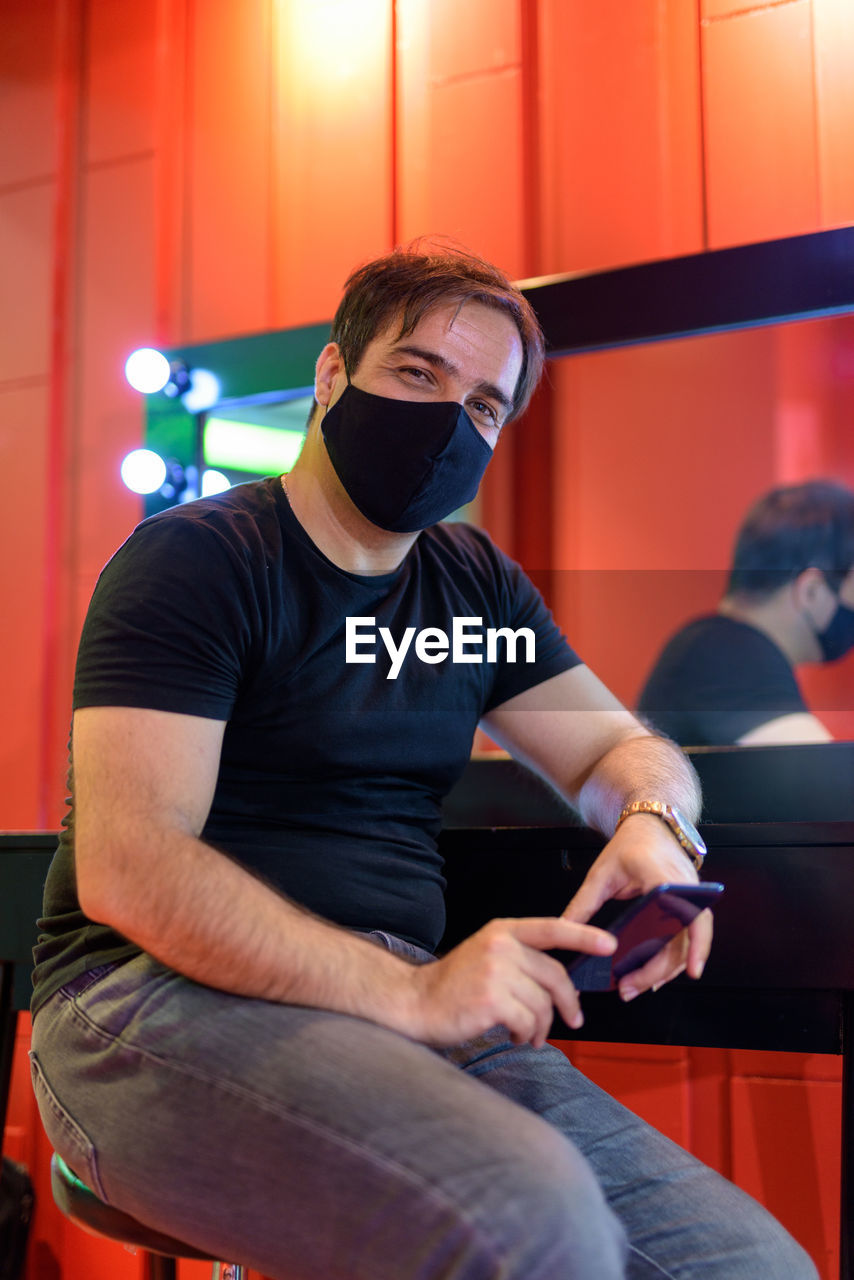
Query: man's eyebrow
x=438 y=361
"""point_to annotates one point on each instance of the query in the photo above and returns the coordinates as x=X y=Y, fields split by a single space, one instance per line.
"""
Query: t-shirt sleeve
x=521 y=609
x=167 y=627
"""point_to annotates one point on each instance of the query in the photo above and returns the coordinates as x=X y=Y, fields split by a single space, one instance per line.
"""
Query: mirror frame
x=795 y=278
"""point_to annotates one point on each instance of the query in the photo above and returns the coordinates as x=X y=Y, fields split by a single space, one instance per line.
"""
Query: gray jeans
x=316 y=1146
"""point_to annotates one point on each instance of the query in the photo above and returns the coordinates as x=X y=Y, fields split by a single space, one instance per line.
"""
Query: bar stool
x=161 y=1253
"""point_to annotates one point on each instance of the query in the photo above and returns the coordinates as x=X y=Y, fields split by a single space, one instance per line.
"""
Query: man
x=245 y=1039
x=729 y=677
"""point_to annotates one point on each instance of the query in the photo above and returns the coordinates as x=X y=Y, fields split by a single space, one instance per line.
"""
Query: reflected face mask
x=405 y=464
x=838 y=636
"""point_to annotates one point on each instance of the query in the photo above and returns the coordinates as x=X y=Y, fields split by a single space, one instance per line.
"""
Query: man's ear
x=808 y=588
x=329 y=364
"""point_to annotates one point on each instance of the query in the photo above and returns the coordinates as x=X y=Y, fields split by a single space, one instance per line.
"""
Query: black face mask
x=838 y=636
x=405 y=464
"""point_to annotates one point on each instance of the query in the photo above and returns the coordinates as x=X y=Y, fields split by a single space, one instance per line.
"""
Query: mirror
x=681 y=391
x=660 y=450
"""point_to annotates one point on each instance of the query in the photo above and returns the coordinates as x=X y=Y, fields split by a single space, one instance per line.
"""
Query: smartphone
x=642 y=928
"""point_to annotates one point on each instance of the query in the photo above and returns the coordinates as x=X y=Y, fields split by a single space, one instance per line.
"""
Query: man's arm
x=797 y=727
x=575 y=733
x=143 y=785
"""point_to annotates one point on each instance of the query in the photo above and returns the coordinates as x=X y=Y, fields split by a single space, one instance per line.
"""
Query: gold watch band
x=687 y=835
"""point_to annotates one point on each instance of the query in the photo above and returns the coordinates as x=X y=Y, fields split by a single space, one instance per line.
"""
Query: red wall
x=178 y=170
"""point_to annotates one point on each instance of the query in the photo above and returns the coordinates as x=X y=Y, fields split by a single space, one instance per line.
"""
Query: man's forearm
x=205 y=916
x=641 y=767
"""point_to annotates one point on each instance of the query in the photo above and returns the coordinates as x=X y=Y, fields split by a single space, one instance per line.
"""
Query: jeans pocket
x=68 y=1138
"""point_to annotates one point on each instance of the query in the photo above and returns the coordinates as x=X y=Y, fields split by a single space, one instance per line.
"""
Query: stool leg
x=156 y=1267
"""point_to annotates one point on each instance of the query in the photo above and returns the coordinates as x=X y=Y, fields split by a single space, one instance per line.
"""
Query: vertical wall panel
x=620 y=127
x=727 y=8
x=833 y=35
x=26 y=269
x=229 y=169
x=332 y=150
x=786 y=1154
x=760 y=125
x=121 y=45
x=115 y=318
x=23 y=414
x=28 y=100
x=460 y=164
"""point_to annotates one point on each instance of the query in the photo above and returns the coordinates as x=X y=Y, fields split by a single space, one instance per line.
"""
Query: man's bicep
x=136 y=768
x=562 y=726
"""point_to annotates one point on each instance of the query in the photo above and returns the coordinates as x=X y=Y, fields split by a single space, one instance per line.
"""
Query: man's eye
x=484 y=410
x=418 y=374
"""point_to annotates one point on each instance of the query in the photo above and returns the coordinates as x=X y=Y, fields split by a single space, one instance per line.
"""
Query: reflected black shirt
x=717 y=679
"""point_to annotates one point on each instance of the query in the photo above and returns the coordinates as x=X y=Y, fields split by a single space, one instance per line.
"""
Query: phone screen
x=642 y=928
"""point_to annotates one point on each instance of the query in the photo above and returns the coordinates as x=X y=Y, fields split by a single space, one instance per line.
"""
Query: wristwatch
x=684 y=830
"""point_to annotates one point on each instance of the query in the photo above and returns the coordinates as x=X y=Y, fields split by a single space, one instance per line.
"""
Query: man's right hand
x=501 y=975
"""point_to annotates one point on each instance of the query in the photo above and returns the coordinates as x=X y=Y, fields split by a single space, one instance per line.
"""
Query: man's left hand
x=639 y=856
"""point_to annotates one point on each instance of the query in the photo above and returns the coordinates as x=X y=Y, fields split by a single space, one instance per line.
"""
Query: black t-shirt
x=717 y=679
x=332 y=770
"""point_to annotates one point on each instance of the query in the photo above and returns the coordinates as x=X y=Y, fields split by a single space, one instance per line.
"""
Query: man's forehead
x=452 y=327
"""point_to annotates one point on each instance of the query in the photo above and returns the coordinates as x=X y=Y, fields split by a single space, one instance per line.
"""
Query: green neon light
x=245 y=446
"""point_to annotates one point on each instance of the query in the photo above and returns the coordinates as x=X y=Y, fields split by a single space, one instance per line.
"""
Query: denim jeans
x=317 y=1146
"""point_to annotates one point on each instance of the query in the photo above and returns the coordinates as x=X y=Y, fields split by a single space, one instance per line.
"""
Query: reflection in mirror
x=659 y=451
x=247 y=441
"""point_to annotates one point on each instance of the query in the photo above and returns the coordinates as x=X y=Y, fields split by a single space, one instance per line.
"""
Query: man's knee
x=556 y=1222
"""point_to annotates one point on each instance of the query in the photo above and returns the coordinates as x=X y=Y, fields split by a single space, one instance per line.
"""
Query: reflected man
x=729 y=677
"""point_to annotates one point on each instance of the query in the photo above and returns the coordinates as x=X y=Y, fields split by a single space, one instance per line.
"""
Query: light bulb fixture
x=203 y=391
x=147 y=370
x=144 y=471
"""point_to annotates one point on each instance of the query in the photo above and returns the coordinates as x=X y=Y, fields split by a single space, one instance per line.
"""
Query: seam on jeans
x=265 y=1103
x=639 y=1253
x=76 y=1134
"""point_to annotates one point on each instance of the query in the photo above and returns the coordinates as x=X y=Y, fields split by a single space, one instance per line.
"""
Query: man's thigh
x=307 y=1143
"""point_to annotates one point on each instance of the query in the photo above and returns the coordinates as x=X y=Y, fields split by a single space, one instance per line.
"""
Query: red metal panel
x=23 y=417
x=833 y=35
x=121 y=79
x=620 y=130
x=474 y=190
x=26 y=271
x=786 y=1153
x=760 y=126
x=473 y=38
x=332 y=157
x=229 y=169
x=711 y=9
x=28 y=101
x=116 y=317
x=460 y=120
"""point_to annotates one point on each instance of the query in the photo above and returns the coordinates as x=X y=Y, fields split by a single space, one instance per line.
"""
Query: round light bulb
x=147 y=370
x=143 y=471
x=203 y=393
x=214 y=482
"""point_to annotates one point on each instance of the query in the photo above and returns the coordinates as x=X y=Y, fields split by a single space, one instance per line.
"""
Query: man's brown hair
x=410 y=281
x=790 y=529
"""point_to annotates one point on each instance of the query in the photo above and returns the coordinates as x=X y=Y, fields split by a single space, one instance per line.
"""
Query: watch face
x=690 y=830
